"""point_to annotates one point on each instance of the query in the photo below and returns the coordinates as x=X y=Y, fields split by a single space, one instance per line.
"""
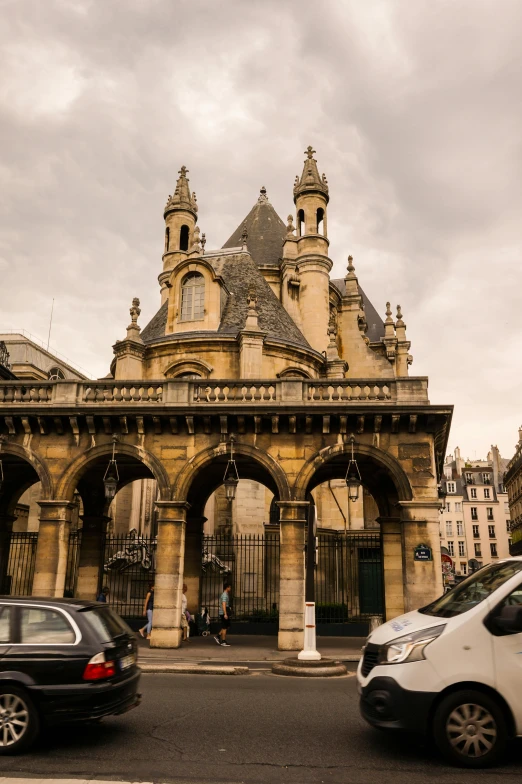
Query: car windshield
x=473 y=590
x=107 y=623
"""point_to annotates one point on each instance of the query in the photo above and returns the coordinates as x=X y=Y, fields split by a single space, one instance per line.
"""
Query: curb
x=193 y=669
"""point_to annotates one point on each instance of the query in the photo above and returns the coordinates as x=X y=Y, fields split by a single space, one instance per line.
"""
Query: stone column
x=170 y=558
x=422 y=579
x=6 y=528
x=192 y=574
x=53 y=544
x=391 y=537
x=292 y=574
x=90 y=561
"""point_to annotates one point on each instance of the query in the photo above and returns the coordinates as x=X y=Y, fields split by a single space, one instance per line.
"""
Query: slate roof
x=375 y=322
x=240 y=274
x=266 y=233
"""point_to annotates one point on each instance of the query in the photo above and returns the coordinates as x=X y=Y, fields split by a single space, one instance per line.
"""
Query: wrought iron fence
x=20 y=564
x=73 y=562
x=251 y=564
x=129 y=565
x=348 y=578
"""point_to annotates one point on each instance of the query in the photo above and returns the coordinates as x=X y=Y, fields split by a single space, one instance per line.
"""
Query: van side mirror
x=510 y=618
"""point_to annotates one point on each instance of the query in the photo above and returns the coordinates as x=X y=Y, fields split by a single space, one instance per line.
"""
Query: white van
x=452 y=670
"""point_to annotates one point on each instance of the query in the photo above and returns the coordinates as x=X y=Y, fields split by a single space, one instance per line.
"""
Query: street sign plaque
x=422 y=553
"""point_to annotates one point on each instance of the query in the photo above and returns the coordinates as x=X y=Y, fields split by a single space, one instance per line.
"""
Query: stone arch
x=209 y=465
x=79 y=467
x=188 y=365
x=381 y=473
x=22 y=453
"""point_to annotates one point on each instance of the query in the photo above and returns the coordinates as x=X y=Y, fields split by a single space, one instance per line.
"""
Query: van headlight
x=409 y=648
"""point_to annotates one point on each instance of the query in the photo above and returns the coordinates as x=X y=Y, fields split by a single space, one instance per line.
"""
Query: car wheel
x=19 y=721
x=470 y=730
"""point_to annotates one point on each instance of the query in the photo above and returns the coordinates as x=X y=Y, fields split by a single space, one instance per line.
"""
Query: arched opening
x=193 y=297
x=320 y=220
x=300 y=223
x=21 y=487
x=188 y=375
x=167 y=239
x=184 y=237
x=236 y=541
x=55 y=374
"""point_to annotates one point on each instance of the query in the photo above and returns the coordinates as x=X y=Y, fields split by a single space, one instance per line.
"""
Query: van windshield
x=473 y=590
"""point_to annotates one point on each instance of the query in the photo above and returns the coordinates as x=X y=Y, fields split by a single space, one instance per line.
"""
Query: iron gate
x=348 y=582
x=251 y=564
x=20 y=564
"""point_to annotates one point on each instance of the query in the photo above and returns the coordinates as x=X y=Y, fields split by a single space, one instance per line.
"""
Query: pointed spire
x=310 y=179
x=182 y=198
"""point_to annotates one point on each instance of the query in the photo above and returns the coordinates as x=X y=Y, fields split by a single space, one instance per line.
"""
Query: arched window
x=184 y=237
x=193 y=297
x=167 y=239
x=300 y=223
x=55 y=374
x=320 y=221
x=187 y=376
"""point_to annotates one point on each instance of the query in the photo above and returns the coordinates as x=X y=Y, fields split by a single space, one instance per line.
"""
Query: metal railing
x=20 y=563
x=348 y=577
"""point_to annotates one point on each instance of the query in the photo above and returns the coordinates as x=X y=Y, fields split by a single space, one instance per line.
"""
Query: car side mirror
x=510 y=618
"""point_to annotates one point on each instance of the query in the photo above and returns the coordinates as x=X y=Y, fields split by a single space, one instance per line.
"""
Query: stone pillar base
x=290 y=641
x=165 y=638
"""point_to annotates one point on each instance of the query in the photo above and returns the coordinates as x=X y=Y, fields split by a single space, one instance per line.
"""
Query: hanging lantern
x=111 y=476
x=231 y=477
x=353 y=476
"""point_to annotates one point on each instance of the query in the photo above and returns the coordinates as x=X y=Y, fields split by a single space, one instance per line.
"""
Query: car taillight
x=98 y=668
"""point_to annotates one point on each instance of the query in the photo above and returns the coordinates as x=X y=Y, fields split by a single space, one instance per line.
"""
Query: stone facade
x=254 y=339
x=513 y=483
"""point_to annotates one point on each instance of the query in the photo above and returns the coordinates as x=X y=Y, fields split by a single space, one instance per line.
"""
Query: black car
x=62 y=660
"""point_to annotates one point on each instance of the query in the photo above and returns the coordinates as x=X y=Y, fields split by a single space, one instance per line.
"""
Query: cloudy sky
x=413 y=107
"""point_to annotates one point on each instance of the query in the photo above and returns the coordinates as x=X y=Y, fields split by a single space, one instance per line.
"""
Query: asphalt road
x=253 y=729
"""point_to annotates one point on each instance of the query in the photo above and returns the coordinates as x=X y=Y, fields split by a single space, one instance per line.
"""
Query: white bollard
x=309 y=652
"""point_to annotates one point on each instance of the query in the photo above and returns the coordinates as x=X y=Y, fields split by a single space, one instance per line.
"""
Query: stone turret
x=403 y=358
x=181 y=214
x=312 y=263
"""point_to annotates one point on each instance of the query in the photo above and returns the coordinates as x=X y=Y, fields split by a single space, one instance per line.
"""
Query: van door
x=507 y=656
x=5 y=630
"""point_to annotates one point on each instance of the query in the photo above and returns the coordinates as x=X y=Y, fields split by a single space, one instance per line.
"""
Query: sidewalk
x=203 y=654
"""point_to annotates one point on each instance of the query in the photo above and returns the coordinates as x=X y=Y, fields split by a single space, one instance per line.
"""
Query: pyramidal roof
x=266 y=233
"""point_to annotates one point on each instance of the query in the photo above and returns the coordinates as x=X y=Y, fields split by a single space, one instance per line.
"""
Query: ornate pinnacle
x=203 y=242
x=290 y=225
x=351 y=268
x=244 y=235
x=183 y=171
x=389 y=319
x=309 y=152
x=263 y=198
x=135 y=311
x=400 y=322
x=252 y=297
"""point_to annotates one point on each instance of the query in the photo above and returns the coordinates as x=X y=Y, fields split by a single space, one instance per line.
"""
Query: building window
x=493 y=548
x=167 y=239
x=491 y=531
x=460 y=528
x=474 y=513
x=469 y=478
x=55 y=374
x=501 y=488
x=458 y=506
x=449 y=528
x=448 y=507
x=476 y=534
x=486 y=479
x=300 y=223
x=508 y=526
x=193 y=297
x=462 y=549
x=464 y=568
x=450 y=487
x=489 y=510
x=506 y=507
x=486 y=492
x=473 y=492
x=184 y=237
x=320 y=221
x=451 y=548
x=478 y=551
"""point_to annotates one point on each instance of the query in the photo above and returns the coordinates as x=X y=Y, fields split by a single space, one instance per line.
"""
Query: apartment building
x=475 y=520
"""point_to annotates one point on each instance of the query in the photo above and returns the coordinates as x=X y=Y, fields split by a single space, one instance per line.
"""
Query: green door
x=370 y=582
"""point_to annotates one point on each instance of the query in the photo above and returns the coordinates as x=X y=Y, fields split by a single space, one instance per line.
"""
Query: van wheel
x=19 y=723
x=470 y=730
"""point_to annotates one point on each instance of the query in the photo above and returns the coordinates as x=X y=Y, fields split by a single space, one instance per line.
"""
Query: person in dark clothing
x=147 y=611
x=102 y=596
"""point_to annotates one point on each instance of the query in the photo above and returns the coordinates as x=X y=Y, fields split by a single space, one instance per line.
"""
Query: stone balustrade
x=199 y=393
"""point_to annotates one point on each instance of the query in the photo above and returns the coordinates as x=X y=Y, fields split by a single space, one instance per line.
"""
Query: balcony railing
x=201 y=392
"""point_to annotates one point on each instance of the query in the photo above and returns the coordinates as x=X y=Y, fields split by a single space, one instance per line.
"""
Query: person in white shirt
x=184 y=622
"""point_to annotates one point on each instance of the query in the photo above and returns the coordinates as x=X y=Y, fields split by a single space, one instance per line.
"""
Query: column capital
x=172 y=511
x=56 y=511
x=94 y=521
x=293 y=511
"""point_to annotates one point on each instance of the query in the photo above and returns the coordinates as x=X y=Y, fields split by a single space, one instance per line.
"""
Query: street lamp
x=231 y=477
x=111 y=476
x=353 y=475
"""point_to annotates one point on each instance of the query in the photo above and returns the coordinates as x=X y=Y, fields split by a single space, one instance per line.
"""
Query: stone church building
x=257 y=346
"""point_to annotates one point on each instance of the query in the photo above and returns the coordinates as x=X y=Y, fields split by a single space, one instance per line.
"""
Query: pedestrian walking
x=148 y=608
x=102 y=596
x=184 y=619
x=224 y=616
